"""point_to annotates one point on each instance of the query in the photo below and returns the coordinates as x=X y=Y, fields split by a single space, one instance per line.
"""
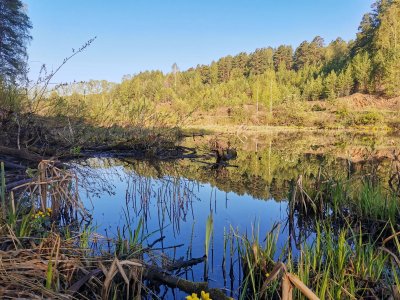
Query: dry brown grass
x=55 y=269
x=49 y=263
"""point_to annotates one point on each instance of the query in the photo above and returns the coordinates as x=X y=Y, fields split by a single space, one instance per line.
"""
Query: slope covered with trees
x=275 y=86
x=267 y=83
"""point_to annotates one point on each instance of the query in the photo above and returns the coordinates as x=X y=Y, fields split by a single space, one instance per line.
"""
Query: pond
x=171 y=201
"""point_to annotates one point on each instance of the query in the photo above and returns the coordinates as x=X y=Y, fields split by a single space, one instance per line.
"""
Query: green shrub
x=369 y=118
x=317 y=107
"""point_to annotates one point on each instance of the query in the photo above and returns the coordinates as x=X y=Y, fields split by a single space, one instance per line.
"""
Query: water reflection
x=174 y=199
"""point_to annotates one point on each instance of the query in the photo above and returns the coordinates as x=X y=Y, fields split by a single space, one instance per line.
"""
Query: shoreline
x=265 y=129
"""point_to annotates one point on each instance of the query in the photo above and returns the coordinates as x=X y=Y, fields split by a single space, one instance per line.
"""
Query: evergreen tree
x=301 y=55
x=345 y=83
x=14 y=36
x=330 y=85
x=283 y=56
x=336 y=55
x=386 y=43
x=365 y=34
x=361 y=65
x=260 y=61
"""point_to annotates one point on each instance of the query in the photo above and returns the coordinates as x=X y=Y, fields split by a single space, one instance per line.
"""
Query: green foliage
x=283 y=57
x=331 y=85
x=75 y=150
x=368 y=118
x=361 y=65
x=335 y=264
x=344 y=83
x=374 y=202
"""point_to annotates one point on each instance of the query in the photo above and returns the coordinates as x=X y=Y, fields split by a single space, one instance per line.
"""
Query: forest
x=257 y=88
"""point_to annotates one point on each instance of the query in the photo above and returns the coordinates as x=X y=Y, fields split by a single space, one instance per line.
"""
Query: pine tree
x=386 y=42
x=361 y=65
x=283 y=56
x=330 y=85
x=345 y=83
x=14 y=36
x=260 y=61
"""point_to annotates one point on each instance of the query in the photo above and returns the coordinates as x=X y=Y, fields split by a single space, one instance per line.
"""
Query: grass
x=373 y=202
x=348 y=264
x=3 y=188
x=209 y=231
x=363 y=198
x=352 y=253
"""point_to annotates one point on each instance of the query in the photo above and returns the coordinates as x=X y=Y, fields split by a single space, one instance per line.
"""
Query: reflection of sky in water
x=192 y=203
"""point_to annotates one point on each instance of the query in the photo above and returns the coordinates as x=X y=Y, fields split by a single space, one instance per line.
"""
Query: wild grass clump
x=375 y=202
x=344 y=264
x=341 y=265
x=258 y=260
x=365 y=198
x=369 y=118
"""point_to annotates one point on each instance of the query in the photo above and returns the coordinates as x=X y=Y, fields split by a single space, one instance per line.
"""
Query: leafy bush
x=369 y=118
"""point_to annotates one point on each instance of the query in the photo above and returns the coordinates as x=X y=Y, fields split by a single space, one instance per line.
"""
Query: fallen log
x=21 y=154
x=151 y=273
x=154 y=273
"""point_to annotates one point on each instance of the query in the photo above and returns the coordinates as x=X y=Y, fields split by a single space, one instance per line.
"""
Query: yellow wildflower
x=205 y=296
x=192 y=297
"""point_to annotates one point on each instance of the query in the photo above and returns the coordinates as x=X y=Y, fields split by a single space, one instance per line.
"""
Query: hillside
x=336 y=85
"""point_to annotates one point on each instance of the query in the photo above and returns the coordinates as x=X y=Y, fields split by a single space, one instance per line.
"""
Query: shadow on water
x=249 y=195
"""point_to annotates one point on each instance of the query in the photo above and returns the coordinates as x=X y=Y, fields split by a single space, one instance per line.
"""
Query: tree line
x=315 y=70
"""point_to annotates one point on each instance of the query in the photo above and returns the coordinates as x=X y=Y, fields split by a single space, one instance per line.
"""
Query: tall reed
x=334 y=265
x=3 y=189
x=209 y=231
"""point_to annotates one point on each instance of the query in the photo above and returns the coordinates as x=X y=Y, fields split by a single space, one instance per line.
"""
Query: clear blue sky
x=134 y=35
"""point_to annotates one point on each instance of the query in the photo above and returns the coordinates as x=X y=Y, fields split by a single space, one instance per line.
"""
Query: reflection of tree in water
x=263 y=174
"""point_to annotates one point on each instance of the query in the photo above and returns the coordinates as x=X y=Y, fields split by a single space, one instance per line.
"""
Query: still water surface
x=174 y=199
